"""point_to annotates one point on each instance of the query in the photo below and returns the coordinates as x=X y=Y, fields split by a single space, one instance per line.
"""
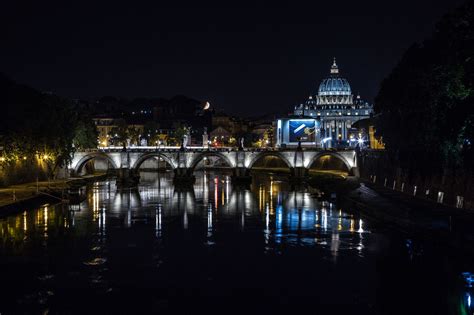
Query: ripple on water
x=45 y=277
x=40 y=297
x=97 y=279
x=95 y=262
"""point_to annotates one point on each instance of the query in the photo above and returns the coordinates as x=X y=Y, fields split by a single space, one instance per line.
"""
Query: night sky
x=246 y=60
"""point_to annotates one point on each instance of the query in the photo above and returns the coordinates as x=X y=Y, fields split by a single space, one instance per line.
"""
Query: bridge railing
x=202 y=149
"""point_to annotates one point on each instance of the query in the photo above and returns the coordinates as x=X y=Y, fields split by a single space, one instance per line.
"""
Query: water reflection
x=291 y=217
x=129 y=236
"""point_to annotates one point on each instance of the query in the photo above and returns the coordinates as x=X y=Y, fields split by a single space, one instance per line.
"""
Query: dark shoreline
x=439 y=224
x=53 y=196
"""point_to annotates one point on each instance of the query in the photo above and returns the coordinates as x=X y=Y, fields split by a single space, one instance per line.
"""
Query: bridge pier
x=241 y=176
x=354 y=171
x=183 y=176
x=299 y=175
x=127 y=178
x=240 y=173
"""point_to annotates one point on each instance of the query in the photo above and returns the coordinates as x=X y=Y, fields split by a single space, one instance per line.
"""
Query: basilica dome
x=334 y=85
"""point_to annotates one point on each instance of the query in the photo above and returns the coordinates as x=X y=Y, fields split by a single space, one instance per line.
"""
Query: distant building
x=219 y=136
x=232 y=124
x=222 y=120
x=331 y=113
x=165 y=115
x=104 y=126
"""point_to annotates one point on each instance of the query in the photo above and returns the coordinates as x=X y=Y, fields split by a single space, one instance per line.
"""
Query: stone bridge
x=183 y=161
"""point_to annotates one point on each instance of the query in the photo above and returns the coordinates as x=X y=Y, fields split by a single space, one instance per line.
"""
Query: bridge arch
x=333 y=154
x=263 y=155
x=198 y=158
x=91 y=156
x=147 y=156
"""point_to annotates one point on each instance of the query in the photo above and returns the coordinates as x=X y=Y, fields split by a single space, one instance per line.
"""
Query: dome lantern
x=334 y=68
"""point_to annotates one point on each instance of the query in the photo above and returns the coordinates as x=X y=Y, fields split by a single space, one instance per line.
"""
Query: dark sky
x=245 y=59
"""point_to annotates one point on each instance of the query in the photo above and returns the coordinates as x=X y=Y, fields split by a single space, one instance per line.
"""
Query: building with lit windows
x=334 y=110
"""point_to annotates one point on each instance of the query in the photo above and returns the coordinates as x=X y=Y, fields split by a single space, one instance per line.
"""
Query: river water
x=216 y=248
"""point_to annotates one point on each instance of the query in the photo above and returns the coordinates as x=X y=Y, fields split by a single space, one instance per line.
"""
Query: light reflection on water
x=117 y=238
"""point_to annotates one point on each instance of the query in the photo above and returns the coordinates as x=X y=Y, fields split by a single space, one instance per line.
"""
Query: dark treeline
x=40 y=128
x=425 y=106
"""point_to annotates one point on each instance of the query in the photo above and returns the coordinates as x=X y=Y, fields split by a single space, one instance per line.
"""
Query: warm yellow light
x=2 y=159
x=24 y=158
x=45 y=157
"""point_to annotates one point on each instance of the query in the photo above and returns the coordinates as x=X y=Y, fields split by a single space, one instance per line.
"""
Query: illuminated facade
x=105 y=125
x=336 y=110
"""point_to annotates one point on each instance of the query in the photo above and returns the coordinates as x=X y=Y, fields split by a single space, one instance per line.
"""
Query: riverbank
x=420 y=218
x=424 y=218
x=17 y=196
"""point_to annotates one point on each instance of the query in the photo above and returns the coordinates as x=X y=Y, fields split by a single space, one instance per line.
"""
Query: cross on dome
x=334 y=68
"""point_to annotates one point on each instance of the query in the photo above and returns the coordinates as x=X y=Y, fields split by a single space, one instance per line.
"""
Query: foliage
x=151 y=132
x=85 y=133
x=38 y=128
x=179 y=132
x=425 y=105
x=247 y=136
x=133 y=135
x=36 y=125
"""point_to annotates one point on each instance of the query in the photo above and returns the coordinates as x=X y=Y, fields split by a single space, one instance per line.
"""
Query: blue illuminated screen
x=302 y=130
